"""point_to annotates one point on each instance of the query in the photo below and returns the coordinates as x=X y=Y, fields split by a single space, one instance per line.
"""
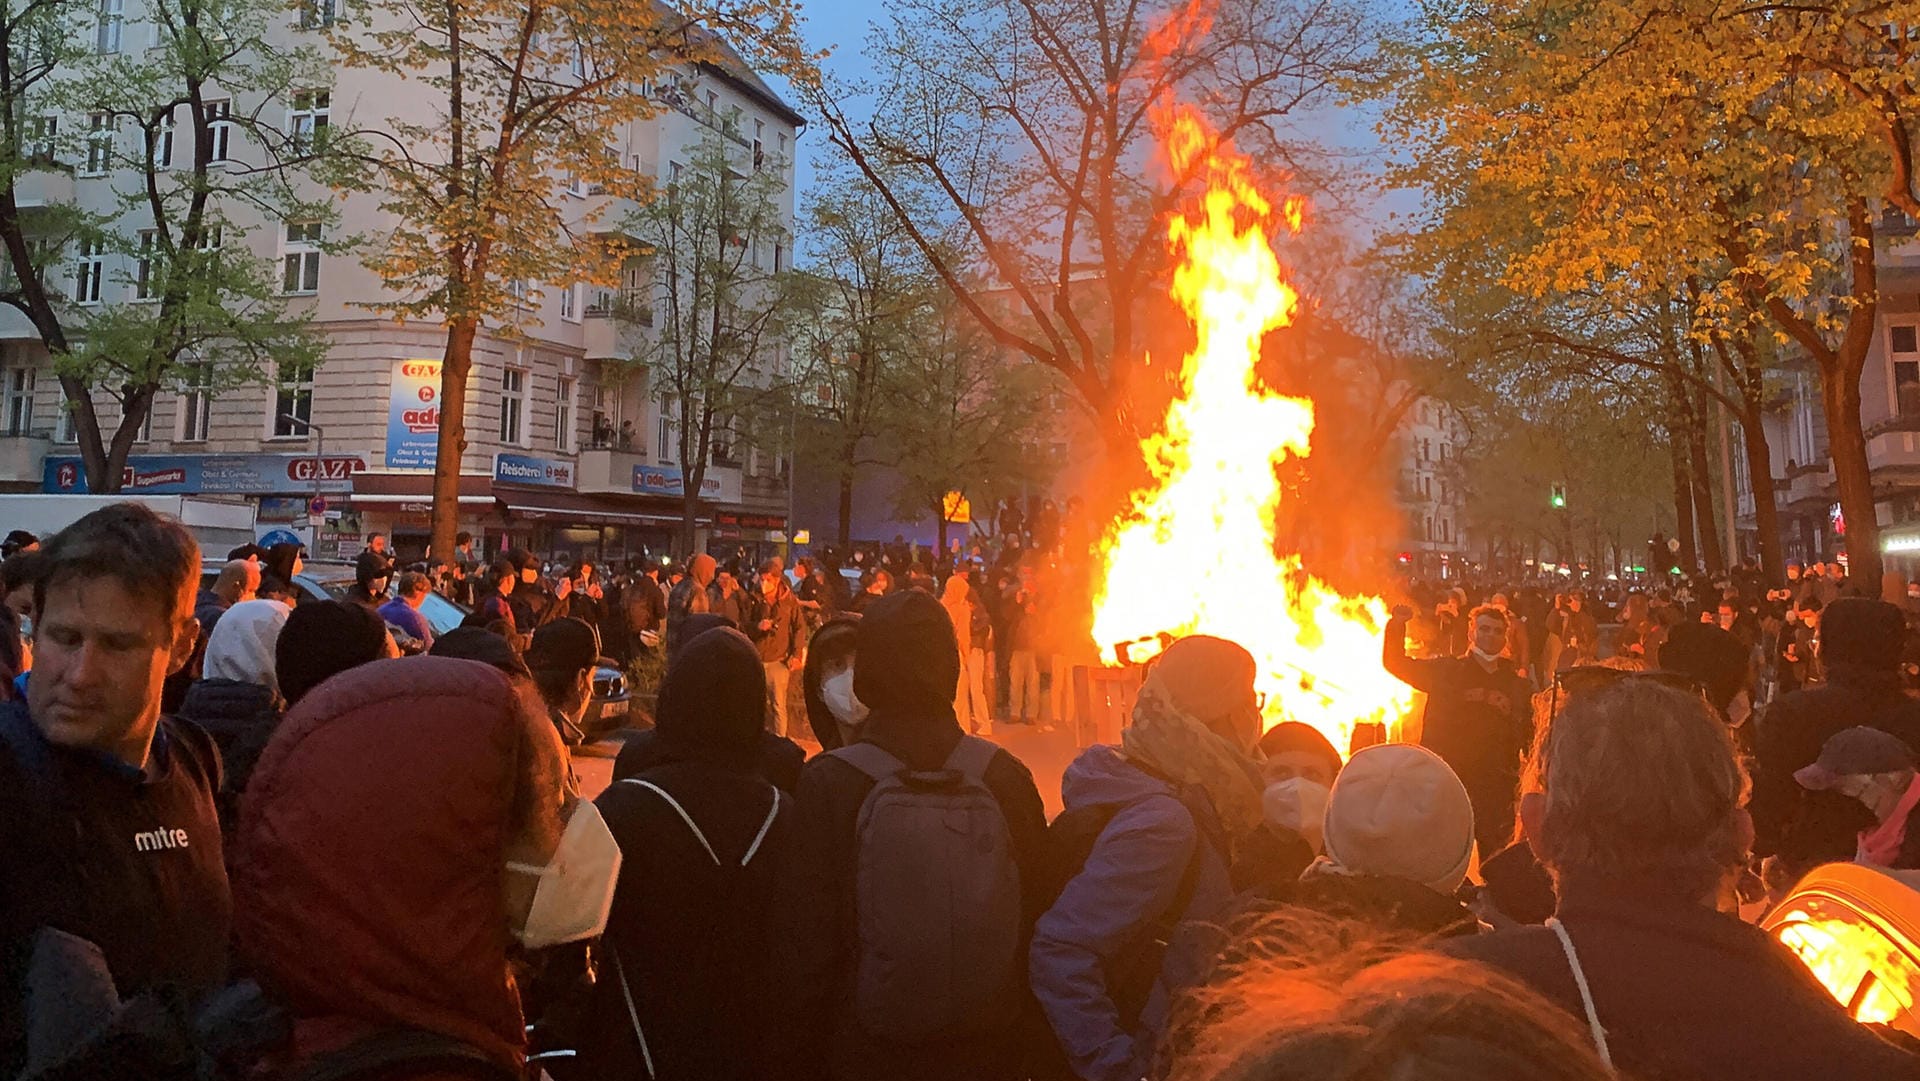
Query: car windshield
x=442 y=614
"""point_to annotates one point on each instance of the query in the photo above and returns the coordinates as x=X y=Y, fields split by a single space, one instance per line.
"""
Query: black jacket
x=1820 y=826
x=780 y=758
x=906 y=675
x=241 y=718
x=1688 y=994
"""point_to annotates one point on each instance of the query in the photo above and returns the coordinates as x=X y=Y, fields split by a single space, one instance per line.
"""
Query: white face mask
x=575 y=892
x=1299 y=805
x=837 y=692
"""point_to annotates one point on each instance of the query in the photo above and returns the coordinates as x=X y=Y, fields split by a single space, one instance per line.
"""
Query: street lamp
x=319 y=468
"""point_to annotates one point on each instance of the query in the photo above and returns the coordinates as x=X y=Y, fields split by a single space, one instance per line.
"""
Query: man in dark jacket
x=375 y=561
x=1634 y=809
x=779 y=633
x=534 y=603
x=644 y=605
x=1860 y=644
x=106 y=805
x=907 y=669
x=1477 y=716
x=693 y=595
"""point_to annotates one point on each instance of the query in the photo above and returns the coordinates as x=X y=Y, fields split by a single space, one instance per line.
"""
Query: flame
x=1858 y=968
x=1202 y=532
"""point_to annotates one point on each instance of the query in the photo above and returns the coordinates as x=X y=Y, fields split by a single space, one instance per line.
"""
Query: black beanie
x=323 y=639
x=480 y=644
x=908 y=658
x=1858 y=630
x=1710 y=655
x=1290 y=736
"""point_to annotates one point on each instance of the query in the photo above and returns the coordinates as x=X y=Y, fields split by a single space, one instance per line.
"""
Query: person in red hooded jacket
x=409 y=822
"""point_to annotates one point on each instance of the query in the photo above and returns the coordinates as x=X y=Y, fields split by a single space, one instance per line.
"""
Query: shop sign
x=413 y=415
x=215 y=474
x=719 y=484
x=773 y=522
x=532 y=472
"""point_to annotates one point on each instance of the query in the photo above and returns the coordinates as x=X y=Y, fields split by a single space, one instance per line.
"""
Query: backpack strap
x=684 y=816
x=633 y=1014
x=772 y=813
x=869 y=759
x=971 y=757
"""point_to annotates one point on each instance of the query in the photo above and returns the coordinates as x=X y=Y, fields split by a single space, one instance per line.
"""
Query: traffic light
x=1559 y=497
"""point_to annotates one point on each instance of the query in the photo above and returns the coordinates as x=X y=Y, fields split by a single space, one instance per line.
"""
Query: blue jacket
x=1131 y=878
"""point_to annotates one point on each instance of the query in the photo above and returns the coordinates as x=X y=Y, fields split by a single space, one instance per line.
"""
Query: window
x=783 y=147
x=513 y=403
x=317 y=14
x=110 y=15
x=563 y=415
x=196 y=402
x=1902 y=343
x=713 y=105
x=43 y=133
x=759 y=144
x=162 y=146
x=579 y=61
x=144 y=433
x=19 y=400
x=300 y=259
x=64 y=429
x=518 y=290
x=721 y=446
x=779 y=256
x=570 y=303
x=220 y=128
x=100 y=128
x=88 y=271
x=667 y=452
x=293 y=402
x=1445 y=449
x=307 y=120
x=146 y=277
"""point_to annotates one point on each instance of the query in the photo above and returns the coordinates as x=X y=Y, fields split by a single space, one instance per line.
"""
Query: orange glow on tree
x=1194 y=551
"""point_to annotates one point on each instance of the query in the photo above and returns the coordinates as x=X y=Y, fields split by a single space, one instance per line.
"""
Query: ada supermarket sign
x=413 y=415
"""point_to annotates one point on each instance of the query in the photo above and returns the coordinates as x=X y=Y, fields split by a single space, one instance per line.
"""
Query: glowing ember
x=1858 y=967
x=1202 y=533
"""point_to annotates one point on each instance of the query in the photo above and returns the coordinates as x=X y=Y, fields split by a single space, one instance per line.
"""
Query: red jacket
x=367 y=884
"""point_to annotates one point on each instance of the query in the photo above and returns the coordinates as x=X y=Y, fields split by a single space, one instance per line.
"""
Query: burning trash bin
x=1857 y=929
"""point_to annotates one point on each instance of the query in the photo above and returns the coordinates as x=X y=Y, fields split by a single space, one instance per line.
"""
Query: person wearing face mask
x=1860 y=642
x=534 y=603
x=1157 y=819
x=1878 y=770
x=1298 y=767
x=834 y=712
x=700 y=963
x=408 y=823
x=1477 y=716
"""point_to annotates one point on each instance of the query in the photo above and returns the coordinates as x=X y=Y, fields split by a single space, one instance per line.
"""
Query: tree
x=208 y=311
x=1027 y=127
x=857 y=310
x=1658 y=156
x=527 y=95
x=961 y=423
x=724 y=306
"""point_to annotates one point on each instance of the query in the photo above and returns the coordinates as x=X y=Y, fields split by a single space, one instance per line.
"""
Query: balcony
x=23 y=459
x=615 y=326
x=607 y=469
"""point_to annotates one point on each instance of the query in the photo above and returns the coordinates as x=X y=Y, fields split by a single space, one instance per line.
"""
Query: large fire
x=1194 y=552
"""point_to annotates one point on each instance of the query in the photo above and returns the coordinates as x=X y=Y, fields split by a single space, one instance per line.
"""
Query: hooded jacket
x=370 y=858
x=832 y=643
x=1155 y=845
x=906 y=672
x=708 y=949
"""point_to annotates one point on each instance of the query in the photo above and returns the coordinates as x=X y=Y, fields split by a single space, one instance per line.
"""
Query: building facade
x=1433 y=540
x=571 y=449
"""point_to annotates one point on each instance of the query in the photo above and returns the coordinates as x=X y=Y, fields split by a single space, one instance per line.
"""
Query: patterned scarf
x=1179 y=747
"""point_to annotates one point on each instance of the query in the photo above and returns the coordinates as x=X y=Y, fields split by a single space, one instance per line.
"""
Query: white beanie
x=1398 y=811
x=241 y=645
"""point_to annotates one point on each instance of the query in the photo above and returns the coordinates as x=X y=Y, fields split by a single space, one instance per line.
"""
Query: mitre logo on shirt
x=160 y=840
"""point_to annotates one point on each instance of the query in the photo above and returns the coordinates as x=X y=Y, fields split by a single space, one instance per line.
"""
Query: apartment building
x=571 y=449
x=1433 y=540
x=1811 y=525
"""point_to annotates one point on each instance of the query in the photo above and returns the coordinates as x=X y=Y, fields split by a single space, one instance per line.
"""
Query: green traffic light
x=1559 y=500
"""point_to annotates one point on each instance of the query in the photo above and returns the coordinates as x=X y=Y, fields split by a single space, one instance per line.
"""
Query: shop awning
x=588 y=509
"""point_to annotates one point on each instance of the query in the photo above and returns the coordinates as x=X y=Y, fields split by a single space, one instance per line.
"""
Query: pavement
x=1045 y=751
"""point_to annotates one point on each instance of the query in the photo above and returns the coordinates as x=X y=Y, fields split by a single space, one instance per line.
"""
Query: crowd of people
x=339 y=862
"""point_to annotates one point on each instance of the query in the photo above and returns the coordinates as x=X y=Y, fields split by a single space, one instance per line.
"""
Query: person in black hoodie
x=780 y=758
x=830 y=655
x=701 y=946
x=907 y=669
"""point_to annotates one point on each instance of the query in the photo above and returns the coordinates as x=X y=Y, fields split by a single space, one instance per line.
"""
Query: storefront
x=401 y=506
x=540 y=496
x=294 y=492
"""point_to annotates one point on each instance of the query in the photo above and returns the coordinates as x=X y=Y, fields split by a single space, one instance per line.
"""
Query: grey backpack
x=936 y=897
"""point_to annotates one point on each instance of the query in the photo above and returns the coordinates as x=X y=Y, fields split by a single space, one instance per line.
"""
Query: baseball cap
x=1855 y=752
